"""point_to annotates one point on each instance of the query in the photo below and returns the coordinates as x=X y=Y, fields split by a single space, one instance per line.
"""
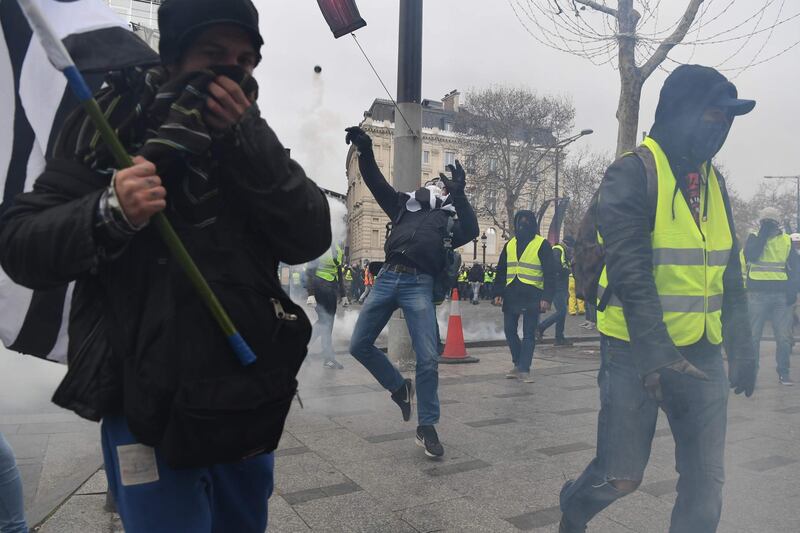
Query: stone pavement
x=348 y=463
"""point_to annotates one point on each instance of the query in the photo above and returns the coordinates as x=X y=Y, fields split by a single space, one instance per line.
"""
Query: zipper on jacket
x=281 y=315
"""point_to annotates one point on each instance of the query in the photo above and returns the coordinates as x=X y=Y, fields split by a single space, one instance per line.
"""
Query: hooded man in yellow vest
x=671 y=286
x=524 y=284
x=772 y=268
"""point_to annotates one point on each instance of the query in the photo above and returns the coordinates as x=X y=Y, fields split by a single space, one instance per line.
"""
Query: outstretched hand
x=358 y=137
x=458 y=180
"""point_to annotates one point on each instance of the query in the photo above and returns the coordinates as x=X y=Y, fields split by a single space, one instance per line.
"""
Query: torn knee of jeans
x=625 y=486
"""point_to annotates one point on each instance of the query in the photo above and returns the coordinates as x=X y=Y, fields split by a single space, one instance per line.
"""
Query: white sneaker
x=526 y=377
x=513 y=373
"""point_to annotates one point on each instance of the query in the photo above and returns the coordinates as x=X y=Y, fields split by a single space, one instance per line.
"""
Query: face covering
x=707 y=139
x=525 y=228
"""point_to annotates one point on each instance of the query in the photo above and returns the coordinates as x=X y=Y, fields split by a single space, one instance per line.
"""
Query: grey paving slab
x=83 y=514
x=302 y=496
x=789 y=410
x=286 y=452
x=490 y=422
x=456 y=468
x=536 y=519
x=662 y=432
x=357 y=511
x=578 y=411
x=455 y=515
x=282 y=517
x=97 y=484
x=590 y=386
x=660 y=488
x=387 y=437
x=768 y=463
x=566 y=448
x=521 y=394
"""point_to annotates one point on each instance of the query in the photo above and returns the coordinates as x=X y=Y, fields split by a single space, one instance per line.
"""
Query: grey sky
x=475 y=43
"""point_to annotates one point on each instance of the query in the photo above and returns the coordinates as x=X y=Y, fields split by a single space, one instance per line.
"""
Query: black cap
x=180 y=21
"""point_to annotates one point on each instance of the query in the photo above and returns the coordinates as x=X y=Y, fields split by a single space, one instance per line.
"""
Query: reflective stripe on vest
x=564 y=263
x=328 y=266
x=528 y=268
x=771 y=266
x=688 y=262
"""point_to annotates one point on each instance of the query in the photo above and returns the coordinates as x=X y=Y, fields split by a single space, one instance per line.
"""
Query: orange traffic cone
x=455 y=351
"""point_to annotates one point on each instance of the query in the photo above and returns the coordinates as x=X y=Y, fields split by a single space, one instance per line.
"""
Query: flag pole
x=60 y=58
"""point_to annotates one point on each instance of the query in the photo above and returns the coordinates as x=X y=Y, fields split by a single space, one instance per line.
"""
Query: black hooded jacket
x=519 y=297
x=625 y=221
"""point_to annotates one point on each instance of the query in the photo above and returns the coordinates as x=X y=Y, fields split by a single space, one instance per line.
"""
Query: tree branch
x=669 y=43
x=598 y=7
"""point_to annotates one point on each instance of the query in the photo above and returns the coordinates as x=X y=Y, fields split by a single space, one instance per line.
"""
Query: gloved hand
x=457 y=182
x=791 y=298
x=345 y=301
x=311 y=301
x=359 y=138
x=742 y=375
x=652 y=381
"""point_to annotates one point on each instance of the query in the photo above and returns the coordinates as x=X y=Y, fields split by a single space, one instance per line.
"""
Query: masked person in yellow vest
x=672 y=269
x=772 y=268
x=561 y=259
x=326 y=286
x=525 y=277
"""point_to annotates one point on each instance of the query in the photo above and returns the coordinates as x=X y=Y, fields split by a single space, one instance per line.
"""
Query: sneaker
x=785 y=380
x=539 y=335
x=513 y=373
x=585 y=325
x=566 y=527
x=525 y=377
x=562 y=342
x=428 y=439
x=404 y=397
x=333 y=364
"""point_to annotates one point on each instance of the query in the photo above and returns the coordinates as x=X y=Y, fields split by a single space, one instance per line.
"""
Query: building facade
x=441 y=146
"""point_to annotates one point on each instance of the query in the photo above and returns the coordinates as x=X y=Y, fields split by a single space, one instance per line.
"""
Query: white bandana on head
x=428 y=197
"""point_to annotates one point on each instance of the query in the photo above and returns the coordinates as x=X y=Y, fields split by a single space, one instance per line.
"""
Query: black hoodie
x=523 y=297
x=625 y=222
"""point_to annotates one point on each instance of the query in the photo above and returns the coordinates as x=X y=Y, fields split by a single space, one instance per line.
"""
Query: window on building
x=374 y=241
x=469 y=162
x=491 y=240
x=426 y=157
x=491 y=201
x=493 y=165
x=449 y=158
x=448 y=126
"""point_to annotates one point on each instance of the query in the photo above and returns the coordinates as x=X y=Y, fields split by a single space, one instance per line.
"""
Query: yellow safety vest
x=463 y=276
x=328 y=268
x=688 y=261
x=771 y=266
x=348 y=275
x=564 y=263
x=528 y=268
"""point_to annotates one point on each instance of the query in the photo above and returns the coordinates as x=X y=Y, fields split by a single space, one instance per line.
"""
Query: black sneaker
x=562 y=342
x=428 y=439
x=565 y=527
x=404 y=397
x=785 y=380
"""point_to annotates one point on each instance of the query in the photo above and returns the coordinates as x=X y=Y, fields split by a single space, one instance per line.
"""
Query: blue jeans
x=772 y=306
x=414 y=295
x=560 y=299
x=215 y=499
x=12 y=507
x=521 y=350
x=697 y=414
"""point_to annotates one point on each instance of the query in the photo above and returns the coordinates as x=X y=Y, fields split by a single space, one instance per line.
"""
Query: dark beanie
x=181 y=21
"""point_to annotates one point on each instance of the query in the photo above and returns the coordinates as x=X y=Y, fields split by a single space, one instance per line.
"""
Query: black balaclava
x=679 y=129
x=181 y=21
x=525 y=231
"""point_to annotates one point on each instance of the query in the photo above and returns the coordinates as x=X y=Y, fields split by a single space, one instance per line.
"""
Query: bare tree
x=580 y=177
x=510 y=135
x=634 y=37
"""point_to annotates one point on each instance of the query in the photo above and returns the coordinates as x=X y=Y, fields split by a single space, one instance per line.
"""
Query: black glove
x=742 y=375
x=359 y=138
x=456 y=184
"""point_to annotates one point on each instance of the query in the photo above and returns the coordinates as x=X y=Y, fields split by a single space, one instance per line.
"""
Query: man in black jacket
x=561 y=261
x=475 y=278
x=524 y=286
x=672 y=266
x=415 y=256
x=145 y=354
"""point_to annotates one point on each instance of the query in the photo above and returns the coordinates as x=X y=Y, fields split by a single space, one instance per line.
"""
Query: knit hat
x=181 y=21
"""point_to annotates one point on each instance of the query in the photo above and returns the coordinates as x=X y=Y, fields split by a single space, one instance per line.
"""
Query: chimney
x=450 y=101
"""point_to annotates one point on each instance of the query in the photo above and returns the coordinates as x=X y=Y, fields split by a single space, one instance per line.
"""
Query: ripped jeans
x=697 y=414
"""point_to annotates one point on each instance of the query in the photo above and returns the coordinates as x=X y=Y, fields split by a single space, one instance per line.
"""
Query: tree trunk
x=510 y=213
x=630 y=95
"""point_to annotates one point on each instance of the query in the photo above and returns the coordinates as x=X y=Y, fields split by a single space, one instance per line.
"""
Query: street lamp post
x=475 y=249
x=797 y=183
x=483 y=243
x=560 y=145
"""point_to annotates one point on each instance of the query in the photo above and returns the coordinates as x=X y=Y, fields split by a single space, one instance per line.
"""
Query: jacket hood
x=532 y=216
x=687 y=92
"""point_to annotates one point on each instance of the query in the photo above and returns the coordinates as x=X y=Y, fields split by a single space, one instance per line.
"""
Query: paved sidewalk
x=347 y=462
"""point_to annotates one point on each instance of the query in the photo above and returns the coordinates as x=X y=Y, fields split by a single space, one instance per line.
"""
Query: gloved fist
x=345 y=301
x=742 y=375
x=311 y=301
x=359 y=138
x=458 y=180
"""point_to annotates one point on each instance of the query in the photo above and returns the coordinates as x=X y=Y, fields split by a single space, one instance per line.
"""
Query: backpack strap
x=651 y=178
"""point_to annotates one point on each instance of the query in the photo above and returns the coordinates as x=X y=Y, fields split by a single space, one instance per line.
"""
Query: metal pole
x=797 y=223
x=407 y=143
x=558 y=156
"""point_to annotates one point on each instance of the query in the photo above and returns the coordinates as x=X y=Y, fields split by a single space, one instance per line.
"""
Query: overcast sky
x=475 y=43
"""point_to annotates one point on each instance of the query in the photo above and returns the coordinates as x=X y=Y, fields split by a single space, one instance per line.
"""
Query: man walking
x=772 y=273
x=183 y=451
x=415 y=255
x=475 y=278
x=326 y=288
x=524 y=286
x=670 y=286
x=560 y=295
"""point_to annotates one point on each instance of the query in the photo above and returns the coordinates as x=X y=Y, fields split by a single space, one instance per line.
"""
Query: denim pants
x=12 y=507
x=151 y=497
x=521 y=350
x=325 y=292
x=560 y=300
x=697 y=414
x=476 y=290
x=413 y=293
x=772 y=307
